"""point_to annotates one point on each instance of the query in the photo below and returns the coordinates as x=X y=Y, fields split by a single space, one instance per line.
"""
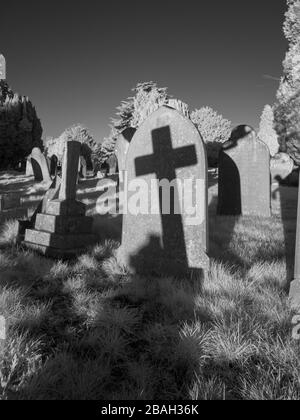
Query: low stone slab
x=62 y=242
x=63 y=225
x=60 y=254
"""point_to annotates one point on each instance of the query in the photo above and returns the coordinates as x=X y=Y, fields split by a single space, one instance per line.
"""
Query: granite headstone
x=40 y=166
x=167 y=162
x=244 y=175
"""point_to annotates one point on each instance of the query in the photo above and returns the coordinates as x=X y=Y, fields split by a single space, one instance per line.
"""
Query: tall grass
x=90 y=330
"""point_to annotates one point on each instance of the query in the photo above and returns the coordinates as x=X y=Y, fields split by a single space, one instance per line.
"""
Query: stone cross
x=2 y=67
x=70 y=171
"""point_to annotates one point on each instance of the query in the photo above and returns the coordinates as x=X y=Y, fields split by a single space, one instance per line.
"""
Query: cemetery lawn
x=89 y=330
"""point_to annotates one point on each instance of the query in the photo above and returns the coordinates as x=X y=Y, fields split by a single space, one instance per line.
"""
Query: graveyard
x=89 y=328
x=152 y=255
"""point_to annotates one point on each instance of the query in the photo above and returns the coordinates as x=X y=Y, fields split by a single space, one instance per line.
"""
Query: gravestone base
x=63 y=231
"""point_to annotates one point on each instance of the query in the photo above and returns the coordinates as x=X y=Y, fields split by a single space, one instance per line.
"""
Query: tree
x=288 y=126
x=267 y=132
x=20 y=128
x=286 y=119
x=78 y=133
x=214 y=129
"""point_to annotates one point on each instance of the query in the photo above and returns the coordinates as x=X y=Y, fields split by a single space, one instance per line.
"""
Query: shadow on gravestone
x=165 y=243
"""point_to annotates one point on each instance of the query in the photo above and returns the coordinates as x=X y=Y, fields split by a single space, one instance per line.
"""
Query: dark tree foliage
x=20 y=128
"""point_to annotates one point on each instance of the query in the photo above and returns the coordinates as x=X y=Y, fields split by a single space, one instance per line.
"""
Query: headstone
x=169 y=233
x=53 y=165
x=29 y=170
x=282 y=166
x=121 y=149
x=82 y=167
x=294 y=294
x=244 y=175
x=2 y=67
x=62 y=230
x=40 y=166
x=112 y=163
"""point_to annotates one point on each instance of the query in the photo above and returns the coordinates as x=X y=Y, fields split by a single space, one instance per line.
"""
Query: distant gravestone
x=167 y=159
x=40 y=166
x=121 y=149
x=62 y=230
x=82 y=167
x=2 y=67
x=244 y=175
x=112 y=164
x=29 y=170
x=282 y=166
x=53 y=165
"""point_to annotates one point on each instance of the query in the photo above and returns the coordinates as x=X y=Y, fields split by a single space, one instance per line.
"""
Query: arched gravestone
x=40 y=166
x=244 y=175
x=164 y=237
x=122 y=146
x=112 y=163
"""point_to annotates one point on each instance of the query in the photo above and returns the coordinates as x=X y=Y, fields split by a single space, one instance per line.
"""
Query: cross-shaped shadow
x=166 y=253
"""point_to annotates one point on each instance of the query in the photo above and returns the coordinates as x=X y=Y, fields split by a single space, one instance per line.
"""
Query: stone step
x=63 y=225
x=62 y=242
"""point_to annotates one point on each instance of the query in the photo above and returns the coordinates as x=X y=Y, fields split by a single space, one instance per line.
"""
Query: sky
x=77 y=61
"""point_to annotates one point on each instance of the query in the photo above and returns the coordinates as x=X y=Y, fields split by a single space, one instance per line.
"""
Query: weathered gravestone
x=63 y=231
x=294 y=294
x=165 y=215
x=29 y=170
x=53 y=165
x=82 y=167
x=244 y=175
x=282 y=166
x=112 y=164
x=121 y=149
x=40 y=166
x=2 y=67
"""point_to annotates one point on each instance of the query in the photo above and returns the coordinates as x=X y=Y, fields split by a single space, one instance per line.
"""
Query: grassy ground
x=89 y=330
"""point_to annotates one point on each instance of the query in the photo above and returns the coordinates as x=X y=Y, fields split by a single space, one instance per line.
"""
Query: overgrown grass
x=89 y=330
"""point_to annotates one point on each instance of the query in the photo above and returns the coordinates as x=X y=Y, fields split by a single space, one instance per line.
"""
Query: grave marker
x=244 y=175
x=62 y=230
x=40 y=166
x=166 y=237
